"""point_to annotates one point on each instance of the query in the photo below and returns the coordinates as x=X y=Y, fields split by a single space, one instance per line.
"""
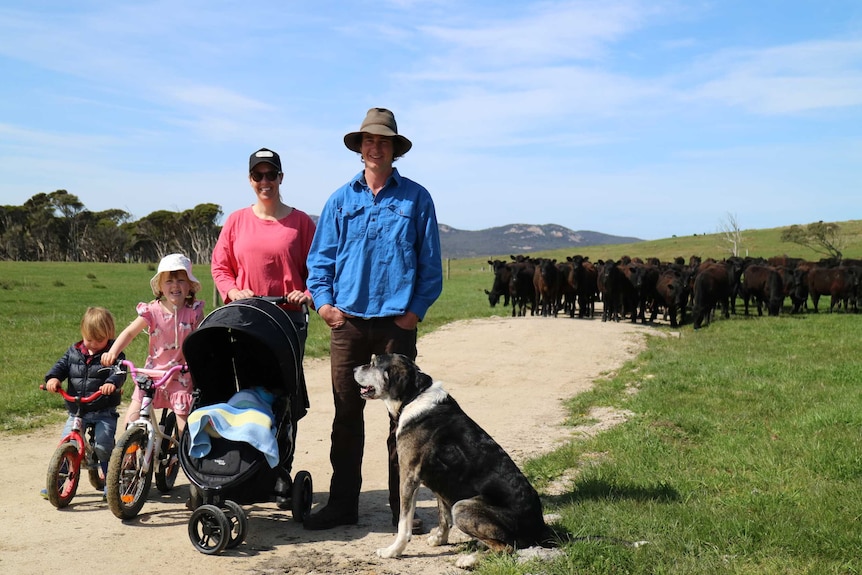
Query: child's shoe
x=44 y=493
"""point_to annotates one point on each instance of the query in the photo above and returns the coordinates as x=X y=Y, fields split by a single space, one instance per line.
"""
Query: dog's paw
x=437 y=537
x=391 y=552
x=468 y=561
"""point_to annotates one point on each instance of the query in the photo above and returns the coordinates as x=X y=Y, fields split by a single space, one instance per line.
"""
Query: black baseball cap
x=264 y=156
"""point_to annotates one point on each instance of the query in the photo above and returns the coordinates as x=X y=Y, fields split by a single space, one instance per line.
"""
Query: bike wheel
x=97 y=476
x=209 y=529
x=301 y=496
x=168 y=465
x=128 y=482
x=63 y=475
x=238 y=523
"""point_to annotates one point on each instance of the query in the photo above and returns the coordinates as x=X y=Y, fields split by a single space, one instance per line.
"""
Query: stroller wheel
x=209 y=529
x=301 y=496
x=238 y=523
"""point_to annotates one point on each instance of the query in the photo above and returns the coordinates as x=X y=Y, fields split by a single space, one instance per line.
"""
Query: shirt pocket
x=397 y=220
x=353 y=221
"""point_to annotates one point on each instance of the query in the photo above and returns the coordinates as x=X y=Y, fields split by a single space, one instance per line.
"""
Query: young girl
x=81 y=366
x=168 y=319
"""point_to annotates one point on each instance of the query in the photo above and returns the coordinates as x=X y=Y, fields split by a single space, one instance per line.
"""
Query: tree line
x=57 y=226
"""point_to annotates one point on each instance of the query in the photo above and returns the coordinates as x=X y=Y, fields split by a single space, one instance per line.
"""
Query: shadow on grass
x=593 y=489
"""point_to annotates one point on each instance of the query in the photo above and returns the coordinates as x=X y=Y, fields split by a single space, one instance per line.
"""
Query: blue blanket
x=247 y=417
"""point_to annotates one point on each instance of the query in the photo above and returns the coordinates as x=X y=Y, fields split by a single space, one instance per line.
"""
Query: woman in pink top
x=262 y=248
x=261 y=251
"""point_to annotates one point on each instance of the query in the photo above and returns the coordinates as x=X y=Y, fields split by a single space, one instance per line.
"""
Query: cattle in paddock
x=713 y=286
x=763 y=284
x=546 y=282
x=500 y=287
x=840 y=283
x=629 y=287
x=672 y=292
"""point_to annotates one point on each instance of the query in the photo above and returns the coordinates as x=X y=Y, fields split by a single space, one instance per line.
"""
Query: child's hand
x=108 y=388
x=53 y=385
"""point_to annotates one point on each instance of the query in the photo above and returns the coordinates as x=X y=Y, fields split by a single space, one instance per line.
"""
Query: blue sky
x=638 y=118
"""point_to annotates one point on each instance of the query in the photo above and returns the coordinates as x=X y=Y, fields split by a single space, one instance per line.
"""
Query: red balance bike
x=64 y=471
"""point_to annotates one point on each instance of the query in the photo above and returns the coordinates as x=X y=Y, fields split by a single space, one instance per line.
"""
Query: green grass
x=743 y=454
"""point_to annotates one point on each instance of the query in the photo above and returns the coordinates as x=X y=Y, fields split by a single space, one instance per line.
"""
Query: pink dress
x=167 y=333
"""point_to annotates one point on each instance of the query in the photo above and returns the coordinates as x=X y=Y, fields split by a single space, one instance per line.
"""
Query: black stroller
x=245 y=344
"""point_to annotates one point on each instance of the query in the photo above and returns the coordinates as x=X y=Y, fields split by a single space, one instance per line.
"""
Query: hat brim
x=353 y=141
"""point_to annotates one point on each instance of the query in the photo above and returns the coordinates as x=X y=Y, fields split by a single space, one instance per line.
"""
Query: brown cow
x=672 y=291
x=546 y=281
x=763 y=283
x=839 y=282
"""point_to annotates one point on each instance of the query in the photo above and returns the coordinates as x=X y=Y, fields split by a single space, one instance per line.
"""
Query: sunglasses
x=258 y=176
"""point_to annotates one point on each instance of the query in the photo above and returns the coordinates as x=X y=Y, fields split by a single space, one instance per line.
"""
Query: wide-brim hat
x=380 y=122
x=174 y=263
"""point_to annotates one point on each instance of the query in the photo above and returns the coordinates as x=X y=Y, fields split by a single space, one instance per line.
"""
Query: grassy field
x=743 y=454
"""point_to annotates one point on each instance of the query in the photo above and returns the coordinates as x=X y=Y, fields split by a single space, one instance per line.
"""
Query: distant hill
x=519 y=239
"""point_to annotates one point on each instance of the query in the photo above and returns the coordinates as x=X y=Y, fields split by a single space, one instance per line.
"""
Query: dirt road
x=509 y=374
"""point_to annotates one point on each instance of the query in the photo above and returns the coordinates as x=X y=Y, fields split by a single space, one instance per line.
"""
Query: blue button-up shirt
x=377 y=256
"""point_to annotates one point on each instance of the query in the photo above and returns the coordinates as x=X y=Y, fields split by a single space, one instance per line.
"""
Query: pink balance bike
x=144 y=447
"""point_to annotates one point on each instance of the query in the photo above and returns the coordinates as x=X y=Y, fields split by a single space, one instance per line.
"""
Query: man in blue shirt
x=374 y=269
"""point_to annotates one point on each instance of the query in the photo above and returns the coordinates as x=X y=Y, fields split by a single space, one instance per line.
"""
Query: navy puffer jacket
x=86 y=375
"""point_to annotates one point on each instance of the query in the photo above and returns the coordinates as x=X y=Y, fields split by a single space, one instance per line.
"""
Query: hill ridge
x=520 y=238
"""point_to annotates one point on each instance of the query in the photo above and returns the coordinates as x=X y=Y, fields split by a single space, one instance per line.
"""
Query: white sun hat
x=175 y=263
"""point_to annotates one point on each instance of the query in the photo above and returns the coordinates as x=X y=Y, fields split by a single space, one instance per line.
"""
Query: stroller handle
x=282 y=300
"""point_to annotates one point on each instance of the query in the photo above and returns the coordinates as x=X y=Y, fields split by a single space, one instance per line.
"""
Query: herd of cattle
x=631 y=288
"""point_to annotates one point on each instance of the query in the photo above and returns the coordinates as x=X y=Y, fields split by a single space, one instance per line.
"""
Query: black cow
x=611 y=285
x=713 y=285
x=521 y=287
x=643 y=279
x=586 y=277
x=500 y=287
x=568 y=287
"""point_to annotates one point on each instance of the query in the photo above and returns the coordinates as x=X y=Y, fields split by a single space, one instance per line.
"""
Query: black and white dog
x=479 y=488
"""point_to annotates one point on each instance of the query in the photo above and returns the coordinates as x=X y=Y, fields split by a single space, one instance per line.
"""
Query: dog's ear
x=423 y=380
x=373 y=359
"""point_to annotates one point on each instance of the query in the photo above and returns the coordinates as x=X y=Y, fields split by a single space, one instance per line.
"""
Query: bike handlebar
x=160 y=376
x=76 y=398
